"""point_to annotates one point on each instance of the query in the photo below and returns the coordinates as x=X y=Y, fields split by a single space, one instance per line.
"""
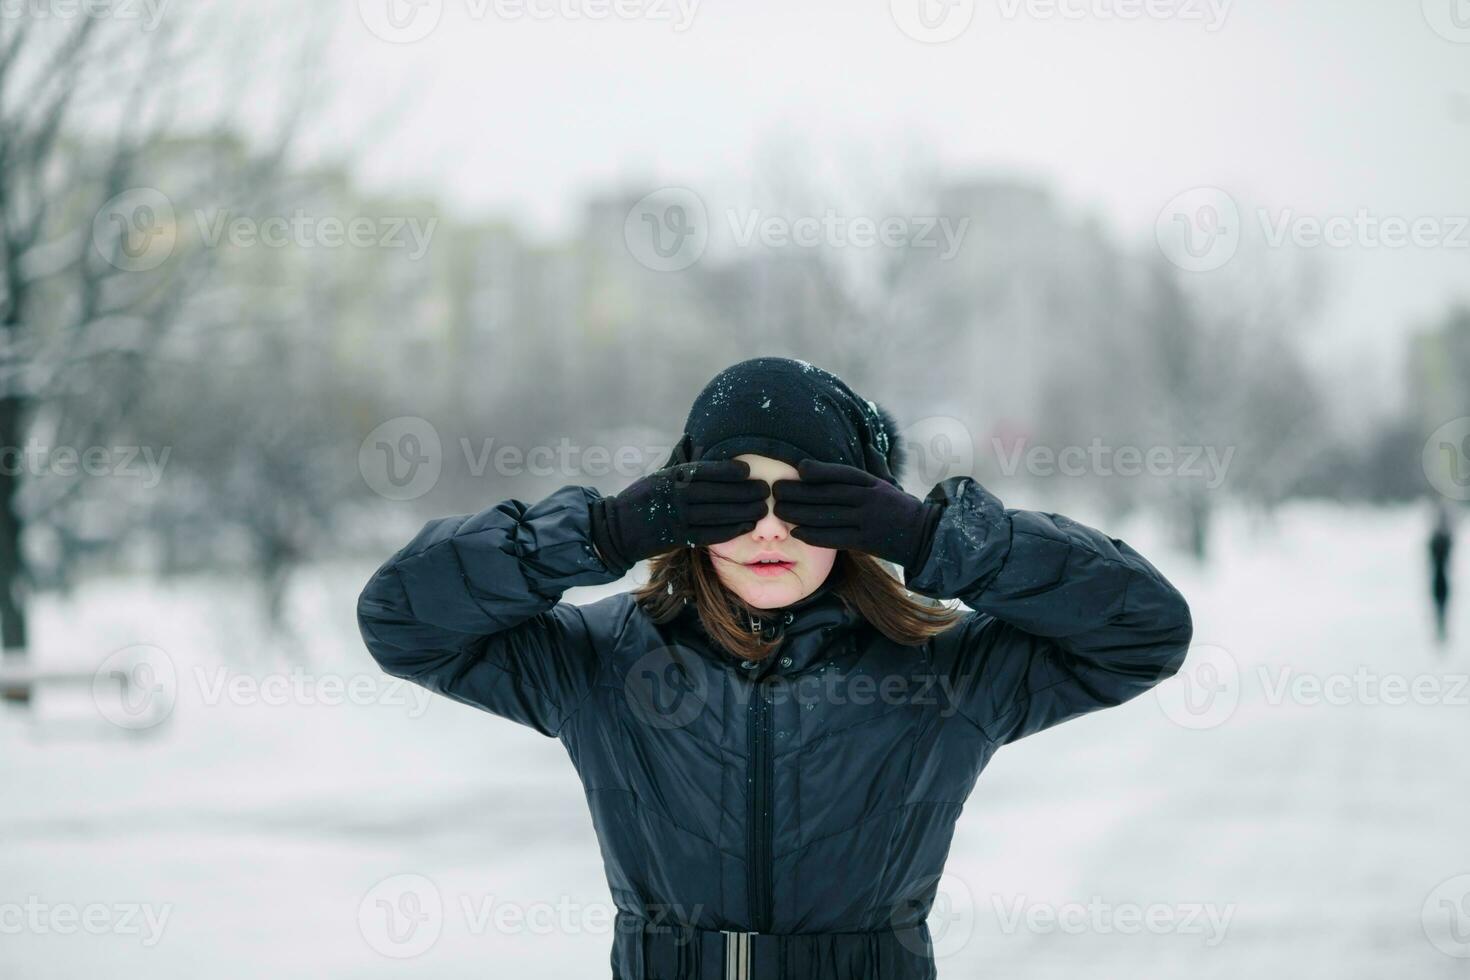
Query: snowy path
x=1288 y=837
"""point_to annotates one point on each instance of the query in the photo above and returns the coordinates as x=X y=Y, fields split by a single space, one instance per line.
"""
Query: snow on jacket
x=789 y=817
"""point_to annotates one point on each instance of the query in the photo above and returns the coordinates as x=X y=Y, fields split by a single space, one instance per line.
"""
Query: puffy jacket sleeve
x=471 y=608
x=1066 y=619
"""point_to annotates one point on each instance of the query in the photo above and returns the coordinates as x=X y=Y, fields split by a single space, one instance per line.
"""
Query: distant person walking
x=1441 y=540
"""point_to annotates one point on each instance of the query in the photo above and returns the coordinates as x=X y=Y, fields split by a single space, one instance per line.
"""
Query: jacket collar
x=808 y=626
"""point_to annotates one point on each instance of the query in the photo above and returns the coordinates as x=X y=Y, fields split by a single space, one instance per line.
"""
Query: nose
x=770 y=527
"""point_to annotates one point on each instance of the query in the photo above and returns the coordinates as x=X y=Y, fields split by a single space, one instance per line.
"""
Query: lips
x=769 y=565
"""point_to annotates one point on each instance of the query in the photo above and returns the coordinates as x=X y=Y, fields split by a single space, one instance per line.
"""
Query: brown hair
x=861 y=581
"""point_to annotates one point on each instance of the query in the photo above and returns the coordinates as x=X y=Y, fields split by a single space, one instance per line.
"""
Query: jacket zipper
x=761 y=822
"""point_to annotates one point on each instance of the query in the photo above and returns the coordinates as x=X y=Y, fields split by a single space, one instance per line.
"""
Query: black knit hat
x=790 y=410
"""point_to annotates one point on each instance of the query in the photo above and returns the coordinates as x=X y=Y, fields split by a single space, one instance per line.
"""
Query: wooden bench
x=19 y=680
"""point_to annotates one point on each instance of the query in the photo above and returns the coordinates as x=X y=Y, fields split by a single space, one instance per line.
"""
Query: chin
x=769 y=595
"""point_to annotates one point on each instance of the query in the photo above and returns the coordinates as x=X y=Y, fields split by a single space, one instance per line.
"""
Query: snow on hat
x=789 y=409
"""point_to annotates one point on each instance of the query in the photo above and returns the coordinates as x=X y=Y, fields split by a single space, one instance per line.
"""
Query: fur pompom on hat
x=790 y=410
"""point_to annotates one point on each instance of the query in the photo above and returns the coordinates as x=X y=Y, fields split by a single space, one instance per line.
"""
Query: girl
x=776 y=734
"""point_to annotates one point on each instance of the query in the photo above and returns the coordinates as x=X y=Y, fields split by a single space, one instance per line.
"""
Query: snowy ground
x=1245 y=822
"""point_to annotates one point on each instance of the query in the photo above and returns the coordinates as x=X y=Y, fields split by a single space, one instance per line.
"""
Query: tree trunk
x=12 y=562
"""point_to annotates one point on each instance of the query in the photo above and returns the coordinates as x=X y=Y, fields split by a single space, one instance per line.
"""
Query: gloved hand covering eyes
x=838 y=506
x=699 y=503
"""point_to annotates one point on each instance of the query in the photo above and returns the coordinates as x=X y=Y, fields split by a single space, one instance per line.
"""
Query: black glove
x=839 y=506
x=699 y=503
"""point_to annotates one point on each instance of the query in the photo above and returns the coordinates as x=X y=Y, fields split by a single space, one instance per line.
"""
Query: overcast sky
x=1328 y=108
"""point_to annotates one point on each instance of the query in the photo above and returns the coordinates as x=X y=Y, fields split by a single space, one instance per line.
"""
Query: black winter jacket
x=787 y=818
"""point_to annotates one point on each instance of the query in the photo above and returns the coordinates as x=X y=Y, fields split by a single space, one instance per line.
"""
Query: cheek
x=718 y=551
x=723 y=558
x=818 y=560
